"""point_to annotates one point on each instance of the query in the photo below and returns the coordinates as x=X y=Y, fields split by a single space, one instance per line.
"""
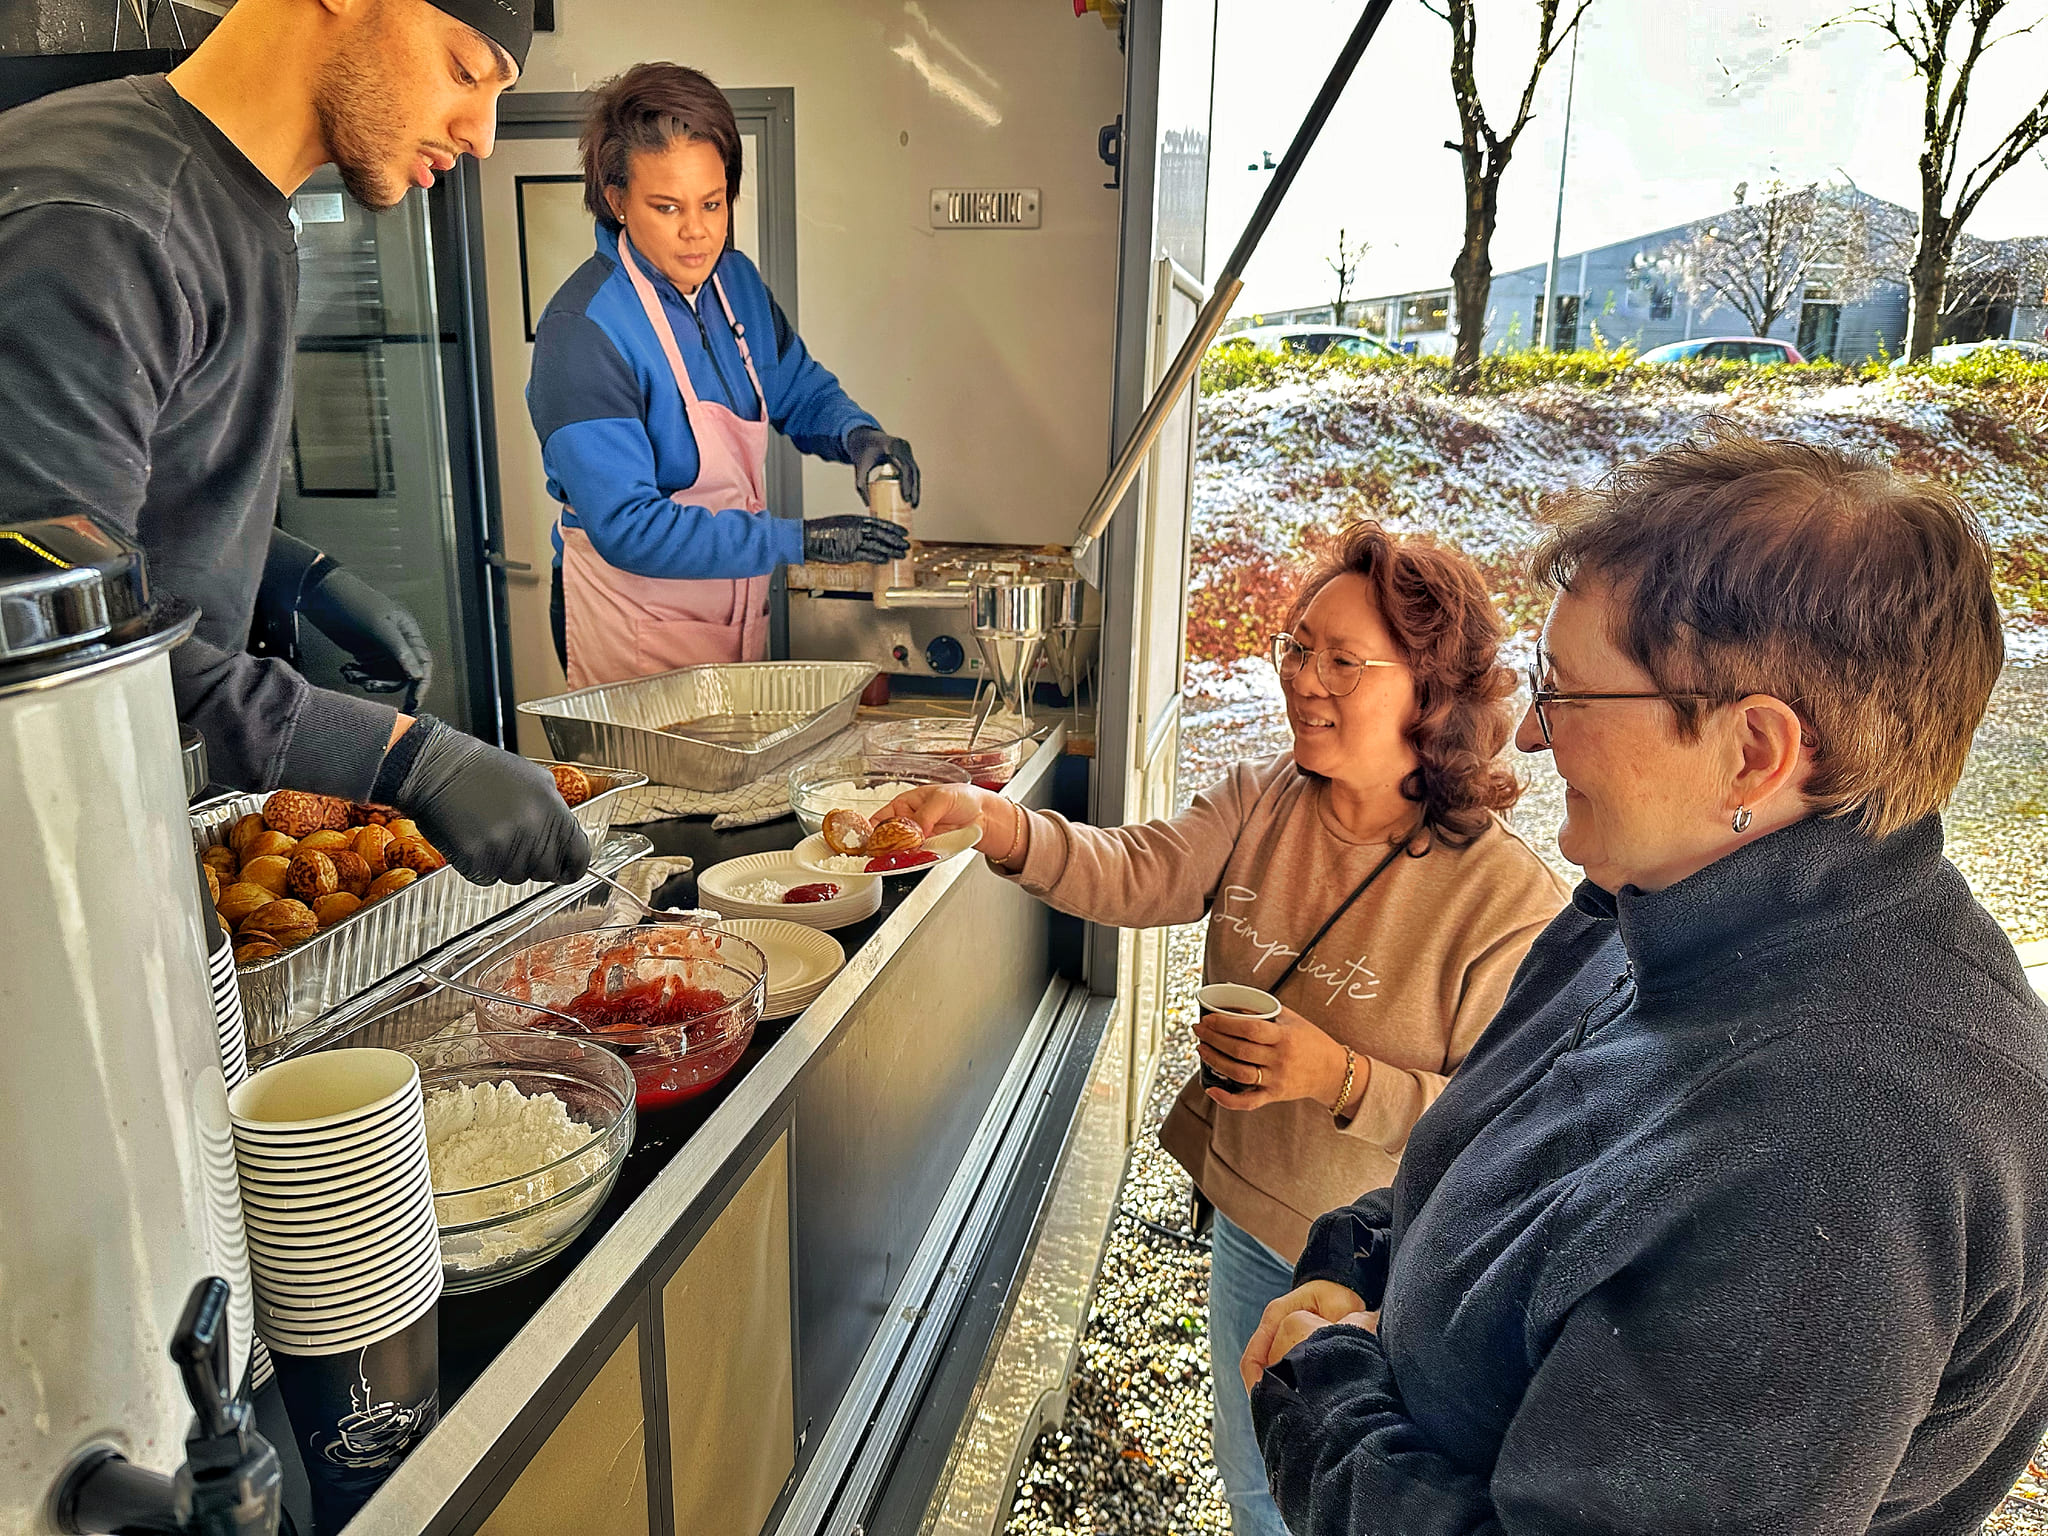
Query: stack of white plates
x=801 y=961
x=719 y=888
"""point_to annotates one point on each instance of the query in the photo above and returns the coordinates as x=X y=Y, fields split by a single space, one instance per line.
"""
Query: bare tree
x=1760 y=257
x=1345 y=264
x=1484 y=153
x=1944 y=41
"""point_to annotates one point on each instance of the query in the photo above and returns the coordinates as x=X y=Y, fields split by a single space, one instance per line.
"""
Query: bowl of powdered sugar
x=525 y=1137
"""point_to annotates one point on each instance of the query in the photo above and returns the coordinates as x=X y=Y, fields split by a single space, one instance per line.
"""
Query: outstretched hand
x=940 y=808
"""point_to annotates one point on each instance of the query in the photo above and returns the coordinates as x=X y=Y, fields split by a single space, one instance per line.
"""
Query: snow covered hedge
x=1293 y=450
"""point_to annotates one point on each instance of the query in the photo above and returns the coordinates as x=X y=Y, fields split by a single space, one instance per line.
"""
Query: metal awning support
x=1229 y=283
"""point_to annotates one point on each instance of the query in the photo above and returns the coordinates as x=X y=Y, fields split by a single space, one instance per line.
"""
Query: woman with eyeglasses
x=1364 y=879
x=1737 y=1217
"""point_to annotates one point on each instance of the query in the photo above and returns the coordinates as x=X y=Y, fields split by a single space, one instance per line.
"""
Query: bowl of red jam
x=677 y=1001
x=990 y=763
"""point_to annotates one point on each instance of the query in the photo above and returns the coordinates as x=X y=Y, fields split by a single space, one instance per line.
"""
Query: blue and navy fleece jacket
x=613 y=434
x=1733 y=1223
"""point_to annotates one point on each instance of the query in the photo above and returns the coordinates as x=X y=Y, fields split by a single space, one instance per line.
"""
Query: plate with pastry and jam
x=850 y=844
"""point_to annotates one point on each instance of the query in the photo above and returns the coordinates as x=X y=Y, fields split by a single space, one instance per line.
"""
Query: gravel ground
x=1132 y=1455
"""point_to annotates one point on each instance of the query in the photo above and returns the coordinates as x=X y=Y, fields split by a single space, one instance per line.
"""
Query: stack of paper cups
x=345 y=1259
x=229 y=1026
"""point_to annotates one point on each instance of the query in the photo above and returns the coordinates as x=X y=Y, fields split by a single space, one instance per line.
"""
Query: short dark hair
x=1436 y=606
x=650 y=106
x=1861 y=598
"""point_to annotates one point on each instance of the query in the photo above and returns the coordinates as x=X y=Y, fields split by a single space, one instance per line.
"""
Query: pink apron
x=624 y=626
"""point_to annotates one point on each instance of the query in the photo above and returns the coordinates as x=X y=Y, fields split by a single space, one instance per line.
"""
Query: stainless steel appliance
x=120 y=1191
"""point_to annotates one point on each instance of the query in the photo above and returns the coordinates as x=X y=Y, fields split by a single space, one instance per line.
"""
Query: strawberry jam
x=823 y=890
x=657 y=1004
x=909 y=858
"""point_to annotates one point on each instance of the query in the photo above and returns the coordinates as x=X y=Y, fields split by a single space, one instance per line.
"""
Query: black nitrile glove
x=493 y=815
x=871 y=446
x=390 y=652
x=854 y=540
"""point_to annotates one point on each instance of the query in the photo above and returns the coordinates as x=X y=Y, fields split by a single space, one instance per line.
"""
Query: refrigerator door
x=369 y=478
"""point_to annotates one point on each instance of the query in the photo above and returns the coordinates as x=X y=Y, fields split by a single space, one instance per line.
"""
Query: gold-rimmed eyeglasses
x=1338 y=671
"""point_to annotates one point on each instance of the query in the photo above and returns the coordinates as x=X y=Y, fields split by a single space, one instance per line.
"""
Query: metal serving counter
x=743 y=1338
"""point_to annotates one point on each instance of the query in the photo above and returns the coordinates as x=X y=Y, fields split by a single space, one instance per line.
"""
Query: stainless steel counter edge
x=460 y=1445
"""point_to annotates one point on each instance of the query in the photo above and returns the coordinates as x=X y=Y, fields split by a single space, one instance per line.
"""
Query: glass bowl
x=679 y=1001
x=863 y=784
x=999 y=751
x=496 y=1231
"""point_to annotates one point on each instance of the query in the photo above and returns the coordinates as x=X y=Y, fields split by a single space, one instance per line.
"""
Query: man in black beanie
x=149 y=275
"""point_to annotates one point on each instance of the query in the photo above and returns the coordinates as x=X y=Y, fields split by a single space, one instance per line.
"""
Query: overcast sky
x=1677 y=101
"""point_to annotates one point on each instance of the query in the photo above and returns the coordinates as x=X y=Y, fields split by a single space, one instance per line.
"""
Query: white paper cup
x=369 y=1213
x=295 y=1164
x=363 y=1300
x=330 y=1200
x=351 y=1331
x=309 y=1248
x=324 y=1092
x=297 y=1288
x=291 y=1151
x=1245 y=1002
x=288 y=1196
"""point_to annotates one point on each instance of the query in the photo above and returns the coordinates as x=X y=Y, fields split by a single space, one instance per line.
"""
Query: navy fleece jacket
x=613 y=434
x=1735 y=1220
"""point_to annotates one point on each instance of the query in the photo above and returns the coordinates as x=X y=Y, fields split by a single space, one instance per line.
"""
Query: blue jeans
x=1244 y=1276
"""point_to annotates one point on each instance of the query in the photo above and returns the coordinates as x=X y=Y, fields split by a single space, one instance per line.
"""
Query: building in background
x=1632 y=293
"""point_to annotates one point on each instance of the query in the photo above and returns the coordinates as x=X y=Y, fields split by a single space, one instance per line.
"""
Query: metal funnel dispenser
x=1009 y=629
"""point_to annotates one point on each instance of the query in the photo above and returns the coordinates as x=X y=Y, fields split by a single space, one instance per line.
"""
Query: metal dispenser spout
x=1009 y=628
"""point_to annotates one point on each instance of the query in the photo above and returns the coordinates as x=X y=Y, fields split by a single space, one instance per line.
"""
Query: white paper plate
x=815 y=854
x=861 y=895
x=801 y=960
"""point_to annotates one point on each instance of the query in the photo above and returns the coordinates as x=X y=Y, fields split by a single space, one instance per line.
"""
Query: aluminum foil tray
x=286 y=993
x=706 y=728
x=405 y=1009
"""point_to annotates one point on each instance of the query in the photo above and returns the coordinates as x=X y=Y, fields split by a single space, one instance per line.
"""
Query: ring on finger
x=1259 y=1080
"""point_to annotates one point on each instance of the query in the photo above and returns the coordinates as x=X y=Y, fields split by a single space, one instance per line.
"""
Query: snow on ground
x=1283 y=464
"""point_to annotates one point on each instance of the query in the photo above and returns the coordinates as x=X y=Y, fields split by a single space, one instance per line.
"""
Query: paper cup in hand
x=1243 y=1002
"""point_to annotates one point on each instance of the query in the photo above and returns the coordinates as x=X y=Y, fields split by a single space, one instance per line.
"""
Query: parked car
x=1724 y=349
x=1309 y=340
x=1956 y=351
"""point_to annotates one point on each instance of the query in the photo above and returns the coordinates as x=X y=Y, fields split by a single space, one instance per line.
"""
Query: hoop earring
x=1741 y=820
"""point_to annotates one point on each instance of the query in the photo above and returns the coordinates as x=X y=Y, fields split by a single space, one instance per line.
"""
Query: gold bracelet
x=1016 y=836
x=1344 y=1093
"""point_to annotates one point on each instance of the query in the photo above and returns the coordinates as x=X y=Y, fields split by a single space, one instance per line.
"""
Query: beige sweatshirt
x=1407 y=978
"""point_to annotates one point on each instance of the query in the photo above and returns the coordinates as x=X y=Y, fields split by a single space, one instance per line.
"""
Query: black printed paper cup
x=357 y=1412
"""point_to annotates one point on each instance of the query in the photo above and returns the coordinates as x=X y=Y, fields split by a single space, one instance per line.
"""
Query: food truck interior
x=842 y=1291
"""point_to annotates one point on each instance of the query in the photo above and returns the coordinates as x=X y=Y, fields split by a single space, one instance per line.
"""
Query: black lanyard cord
x=1345 y=906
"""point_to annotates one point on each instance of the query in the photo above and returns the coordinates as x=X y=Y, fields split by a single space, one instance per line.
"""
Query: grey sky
x=1678 y=100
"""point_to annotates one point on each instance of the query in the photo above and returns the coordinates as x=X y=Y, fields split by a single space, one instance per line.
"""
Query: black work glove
x=853 y=540
x=390 y=652
x=871 y=446
x=494 y=816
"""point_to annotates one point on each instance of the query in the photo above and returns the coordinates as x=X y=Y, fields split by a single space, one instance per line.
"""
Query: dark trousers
x=558 y=617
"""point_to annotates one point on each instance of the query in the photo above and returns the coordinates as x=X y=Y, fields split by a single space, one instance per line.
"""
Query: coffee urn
x=118 y=1198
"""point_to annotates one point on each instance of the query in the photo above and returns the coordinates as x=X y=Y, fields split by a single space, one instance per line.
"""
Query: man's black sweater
x=1735 y=1220
x=148 y=280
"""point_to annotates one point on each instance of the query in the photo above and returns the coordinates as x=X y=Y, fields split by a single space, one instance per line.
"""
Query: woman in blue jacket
x=658 y=369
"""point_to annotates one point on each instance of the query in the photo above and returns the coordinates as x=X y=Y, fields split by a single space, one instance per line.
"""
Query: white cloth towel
x=762 y=799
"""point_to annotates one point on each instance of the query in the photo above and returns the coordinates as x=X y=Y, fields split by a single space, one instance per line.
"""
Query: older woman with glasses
x=1736 y=1219
x=1363 y=878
